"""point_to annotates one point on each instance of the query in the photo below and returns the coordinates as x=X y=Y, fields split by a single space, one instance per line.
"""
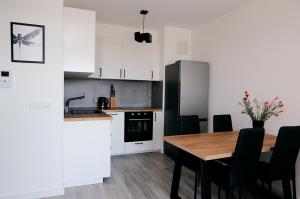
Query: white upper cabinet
x=108 y=58
x=136 y=61
x=119 y=59
x=79 y=40
x=154 y=62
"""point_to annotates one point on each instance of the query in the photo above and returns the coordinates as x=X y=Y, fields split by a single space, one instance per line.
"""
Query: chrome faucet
x=67 y=104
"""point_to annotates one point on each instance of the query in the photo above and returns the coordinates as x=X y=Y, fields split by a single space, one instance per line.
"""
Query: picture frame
x=27 y=43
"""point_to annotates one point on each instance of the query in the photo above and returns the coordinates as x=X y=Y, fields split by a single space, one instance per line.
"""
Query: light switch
x=6 y=79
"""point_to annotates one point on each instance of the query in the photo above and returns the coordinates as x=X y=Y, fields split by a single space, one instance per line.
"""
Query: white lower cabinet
x=117 y=131
x=158 y=131
x=138 y=147
x=86 y=152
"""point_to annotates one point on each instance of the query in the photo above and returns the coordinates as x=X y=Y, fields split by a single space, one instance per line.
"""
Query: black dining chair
x=222 y=123
x=189 y=124
x=283 y=159
x=242 y=171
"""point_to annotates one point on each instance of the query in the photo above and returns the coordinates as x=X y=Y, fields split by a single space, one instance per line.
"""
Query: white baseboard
x=35 y=194
x=83 y=182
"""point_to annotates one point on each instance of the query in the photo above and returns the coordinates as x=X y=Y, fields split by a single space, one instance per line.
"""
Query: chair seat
x=265 y=174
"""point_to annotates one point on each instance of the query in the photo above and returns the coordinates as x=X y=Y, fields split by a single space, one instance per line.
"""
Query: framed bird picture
x=27 y=43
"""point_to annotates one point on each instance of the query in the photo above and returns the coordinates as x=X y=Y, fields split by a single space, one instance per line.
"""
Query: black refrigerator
x=186 y=93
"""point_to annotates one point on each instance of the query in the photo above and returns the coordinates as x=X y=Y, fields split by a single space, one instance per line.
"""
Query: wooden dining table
x=207 y=147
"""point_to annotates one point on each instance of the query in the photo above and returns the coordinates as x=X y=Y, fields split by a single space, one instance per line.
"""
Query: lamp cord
x=143 y=22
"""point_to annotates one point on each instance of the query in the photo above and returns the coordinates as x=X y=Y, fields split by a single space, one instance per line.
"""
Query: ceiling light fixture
x=145 y=36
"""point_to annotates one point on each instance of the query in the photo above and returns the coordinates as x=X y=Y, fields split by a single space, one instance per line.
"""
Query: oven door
x=138 y=129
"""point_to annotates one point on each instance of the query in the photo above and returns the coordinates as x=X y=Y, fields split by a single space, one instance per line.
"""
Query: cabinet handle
x=152 y=74
x=139 y=119
x=138 y=143
x=124 y=73
x=155 y=117
x=120 y=73
x=112 y=114
x=100 y=69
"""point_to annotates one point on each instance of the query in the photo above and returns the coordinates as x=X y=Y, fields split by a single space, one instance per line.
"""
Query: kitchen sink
x=73 y=112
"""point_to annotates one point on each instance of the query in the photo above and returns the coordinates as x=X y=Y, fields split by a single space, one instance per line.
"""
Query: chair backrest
x=285 y=152
x=189 y=124
x=245 y=158
x=222 y=123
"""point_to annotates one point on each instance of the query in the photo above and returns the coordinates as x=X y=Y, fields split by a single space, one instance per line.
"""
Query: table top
x=211 y=146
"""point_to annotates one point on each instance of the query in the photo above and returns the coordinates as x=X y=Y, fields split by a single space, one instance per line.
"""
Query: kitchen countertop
x=91 y=113
x=132 y=109
x=87 y=117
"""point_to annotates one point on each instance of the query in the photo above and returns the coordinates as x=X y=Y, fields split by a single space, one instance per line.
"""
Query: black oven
x=138 y=126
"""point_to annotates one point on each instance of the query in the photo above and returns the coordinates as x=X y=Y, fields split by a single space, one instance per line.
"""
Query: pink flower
x=247 y=94
x=276 y=98
x=267 y=104
x=273 y=104
x=281 y=104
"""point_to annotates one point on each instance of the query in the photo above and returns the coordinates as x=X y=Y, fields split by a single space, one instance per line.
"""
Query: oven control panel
x=139 y=114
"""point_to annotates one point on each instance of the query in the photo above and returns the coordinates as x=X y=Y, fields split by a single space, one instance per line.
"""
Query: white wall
x=121 y=32
x=30 y=137
x=254 y=48
x=177 y=44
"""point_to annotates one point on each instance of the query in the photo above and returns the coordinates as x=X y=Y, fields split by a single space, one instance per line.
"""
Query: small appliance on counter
x=102 y=103
x=112 y=98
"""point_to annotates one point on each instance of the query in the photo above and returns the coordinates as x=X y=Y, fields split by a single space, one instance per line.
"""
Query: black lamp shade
x=140 y=37
x=147 y=37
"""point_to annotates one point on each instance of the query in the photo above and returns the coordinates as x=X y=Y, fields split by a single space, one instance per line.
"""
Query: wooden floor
x=139 y=176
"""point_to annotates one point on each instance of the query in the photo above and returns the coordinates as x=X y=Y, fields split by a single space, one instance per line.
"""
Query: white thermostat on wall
x=6 y=79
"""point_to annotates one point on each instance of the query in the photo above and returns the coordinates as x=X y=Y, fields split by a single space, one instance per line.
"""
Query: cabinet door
x=86 y=152
x=108 y=58
x=79 y=40
x=158 y=131
x=98 y=53
x=117 y=137
x=111 y=58
x=136 y=61
x=154 y=62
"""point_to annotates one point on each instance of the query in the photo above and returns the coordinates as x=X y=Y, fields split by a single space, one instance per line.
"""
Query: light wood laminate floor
x=139 y=176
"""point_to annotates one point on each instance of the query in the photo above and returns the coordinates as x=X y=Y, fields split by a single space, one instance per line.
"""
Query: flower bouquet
x=260 y=112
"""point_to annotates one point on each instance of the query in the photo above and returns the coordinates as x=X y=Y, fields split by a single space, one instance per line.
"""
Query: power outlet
x=96 y=100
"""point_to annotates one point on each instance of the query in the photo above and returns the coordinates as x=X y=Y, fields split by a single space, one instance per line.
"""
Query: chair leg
x=231 y=193
x=227 y=194
x=219 y=192
x=294 y=189
x=196 y=183
x=199 y=176
x=270 y=190
x=255 y=190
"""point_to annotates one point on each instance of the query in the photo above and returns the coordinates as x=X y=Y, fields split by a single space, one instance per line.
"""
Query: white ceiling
x=179 y=13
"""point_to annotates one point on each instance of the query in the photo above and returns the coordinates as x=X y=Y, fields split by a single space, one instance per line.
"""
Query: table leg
x=176 y=175
x=205 y=180
x=286 y=184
